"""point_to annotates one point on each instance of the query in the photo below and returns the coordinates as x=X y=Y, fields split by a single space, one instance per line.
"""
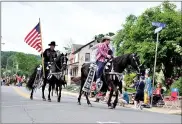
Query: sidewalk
x=153 y=109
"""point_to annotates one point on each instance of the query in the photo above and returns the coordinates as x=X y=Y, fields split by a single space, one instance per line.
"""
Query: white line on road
x=108 y=122
x=11 y=106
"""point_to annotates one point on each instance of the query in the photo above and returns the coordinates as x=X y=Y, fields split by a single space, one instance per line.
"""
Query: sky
x=63 y=22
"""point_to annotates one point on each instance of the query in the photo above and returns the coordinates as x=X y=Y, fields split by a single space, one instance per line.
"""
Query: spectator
x=19 y=80
x=148 y=86
x=124 y=97
x=139 y=97
x=157 y=93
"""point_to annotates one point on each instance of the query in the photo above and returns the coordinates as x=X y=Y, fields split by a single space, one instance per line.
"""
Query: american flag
x=33 y=38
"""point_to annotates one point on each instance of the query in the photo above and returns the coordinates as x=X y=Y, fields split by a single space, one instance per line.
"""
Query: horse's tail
x=30 y=82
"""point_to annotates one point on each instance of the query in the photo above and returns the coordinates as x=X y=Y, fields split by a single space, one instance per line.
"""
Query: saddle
x=38 y=81
x=91 y=75
x=90 y=78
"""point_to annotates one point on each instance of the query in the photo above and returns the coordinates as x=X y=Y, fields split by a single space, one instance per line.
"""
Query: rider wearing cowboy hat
x=101 y=55
x=50 y=54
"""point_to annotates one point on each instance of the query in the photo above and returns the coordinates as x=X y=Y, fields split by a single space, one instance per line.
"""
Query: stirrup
x=99 y=88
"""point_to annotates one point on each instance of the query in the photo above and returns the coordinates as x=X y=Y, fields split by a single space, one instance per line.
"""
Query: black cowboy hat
x=53 y=43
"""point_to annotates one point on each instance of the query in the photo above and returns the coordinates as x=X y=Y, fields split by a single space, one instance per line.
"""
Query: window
x=87 y=57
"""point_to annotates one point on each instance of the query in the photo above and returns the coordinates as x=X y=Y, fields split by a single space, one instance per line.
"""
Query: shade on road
x=16 y=107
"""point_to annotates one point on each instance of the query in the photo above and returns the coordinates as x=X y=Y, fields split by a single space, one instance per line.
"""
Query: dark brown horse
x=118 y=64
x=56 y=67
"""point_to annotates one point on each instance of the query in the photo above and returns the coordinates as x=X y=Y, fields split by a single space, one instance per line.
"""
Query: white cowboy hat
x=106 y=38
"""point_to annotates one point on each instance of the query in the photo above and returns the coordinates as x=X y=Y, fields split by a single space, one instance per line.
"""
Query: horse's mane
x=121 y=62
x=58 y=57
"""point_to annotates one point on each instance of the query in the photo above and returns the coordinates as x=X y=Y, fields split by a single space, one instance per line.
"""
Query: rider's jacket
x=102 y=52
x=49 y=55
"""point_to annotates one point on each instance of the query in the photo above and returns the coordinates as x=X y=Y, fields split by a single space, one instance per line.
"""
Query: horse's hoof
x=44 y=99
x=31 y=98
x=58 y=100
x=90 y=105
x=49 y=100
x=79 y=103
x=110 y=107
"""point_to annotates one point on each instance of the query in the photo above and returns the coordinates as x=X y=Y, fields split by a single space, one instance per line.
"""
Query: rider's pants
x=100 y=66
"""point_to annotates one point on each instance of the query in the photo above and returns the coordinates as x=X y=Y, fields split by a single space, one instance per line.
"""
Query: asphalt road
x=16 y=107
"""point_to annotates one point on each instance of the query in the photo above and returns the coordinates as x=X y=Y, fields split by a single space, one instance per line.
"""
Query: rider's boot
x=99 y=84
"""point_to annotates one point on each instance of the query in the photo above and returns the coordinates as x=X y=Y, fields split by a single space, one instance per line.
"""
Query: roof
x=83 y=47
x=76 y=46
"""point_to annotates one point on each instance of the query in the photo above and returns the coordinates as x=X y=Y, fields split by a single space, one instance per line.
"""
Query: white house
x=80 y=54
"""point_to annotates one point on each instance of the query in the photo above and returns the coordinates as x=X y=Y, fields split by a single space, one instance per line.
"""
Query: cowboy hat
x=53 y=43
x=106 y=38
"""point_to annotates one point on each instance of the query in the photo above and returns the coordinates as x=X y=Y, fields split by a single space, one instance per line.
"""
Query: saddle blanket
x=90 y=78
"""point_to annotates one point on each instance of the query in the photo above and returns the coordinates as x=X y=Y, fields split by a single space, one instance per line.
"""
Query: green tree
x=128 y=78
x=137 y=36
x=27 y=63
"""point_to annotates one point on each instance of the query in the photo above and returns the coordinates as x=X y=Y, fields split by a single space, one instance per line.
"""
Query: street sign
x=157 y=30
x=158 y=24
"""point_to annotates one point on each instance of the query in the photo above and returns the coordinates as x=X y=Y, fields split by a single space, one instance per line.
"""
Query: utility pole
x=1 y=43
x=157 y=30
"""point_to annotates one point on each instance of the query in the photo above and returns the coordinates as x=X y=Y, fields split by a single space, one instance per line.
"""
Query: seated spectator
x=157 y=93
x=124 y=97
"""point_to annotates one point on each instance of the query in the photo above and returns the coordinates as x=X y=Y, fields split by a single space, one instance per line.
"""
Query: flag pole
x=42 y=50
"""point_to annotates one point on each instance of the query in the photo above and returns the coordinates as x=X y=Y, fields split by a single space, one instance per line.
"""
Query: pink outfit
x=102 y=51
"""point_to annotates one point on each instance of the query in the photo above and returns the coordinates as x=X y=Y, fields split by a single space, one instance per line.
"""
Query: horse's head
x=135 y=62
x=61 y=62
x=64 y=61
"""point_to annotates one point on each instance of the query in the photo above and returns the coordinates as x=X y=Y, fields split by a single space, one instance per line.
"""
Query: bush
x=178 y=84
x=128 y=79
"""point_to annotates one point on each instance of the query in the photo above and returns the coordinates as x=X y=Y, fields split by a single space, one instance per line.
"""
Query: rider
x=101 y=55
x=49 y=54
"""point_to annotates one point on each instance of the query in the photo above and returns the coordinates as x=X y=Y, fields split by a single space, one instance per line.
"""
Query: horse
x=118 y=64
x=57 y=88
x=58 y=66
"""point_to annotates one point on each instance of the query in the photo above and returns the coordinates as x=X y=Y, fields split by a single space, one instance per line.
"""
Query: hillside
x=18 y=62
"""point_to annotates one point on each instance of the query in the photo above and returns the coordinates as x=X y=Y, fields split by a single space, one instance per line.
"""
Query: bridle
x=60 y=69
x=138 y=66
x=62 y=64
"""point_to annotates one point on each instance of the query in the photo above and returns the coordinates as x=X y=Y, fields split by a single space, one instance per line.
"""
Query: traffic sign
x=158 y=24
x=158 y=29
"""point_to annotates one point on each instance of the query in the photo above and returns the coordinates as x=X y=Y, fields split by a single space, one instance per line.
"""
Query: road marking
x=11 y=106
x=21 y=93
x=108 y=122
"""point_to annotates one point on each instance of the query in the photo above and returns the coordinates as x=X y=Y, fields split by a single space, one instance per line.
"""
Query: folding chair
x=172 y=101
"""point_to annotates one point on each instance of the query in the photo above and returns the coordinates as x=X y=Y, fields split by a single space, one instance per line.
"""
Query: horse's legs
x=116 y=98
x=43 y=88
x=60 y=89
x=110 y=97
x=49 y=89
x=57 y=89
x=52 y=92
x=31 y=95
x=88 y=101
x=80 y=93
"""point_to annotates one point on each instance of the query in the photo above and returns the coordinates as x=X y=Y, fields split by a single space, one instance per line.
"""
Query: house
x=80 y=54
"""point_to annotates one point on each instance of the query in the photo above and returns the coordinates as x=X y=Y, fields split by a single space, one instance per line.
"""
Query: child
x=125 y=98
x=139 y=97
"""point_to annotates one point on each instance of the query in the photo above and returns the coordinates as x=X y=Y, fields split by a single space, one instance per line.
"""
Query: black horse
x=53 y=76
x=118 y=64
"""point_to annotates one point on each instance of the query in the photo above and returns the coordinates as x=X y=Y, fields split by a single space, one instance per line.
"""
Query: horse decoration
x=111 y=77
x=54 y=73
